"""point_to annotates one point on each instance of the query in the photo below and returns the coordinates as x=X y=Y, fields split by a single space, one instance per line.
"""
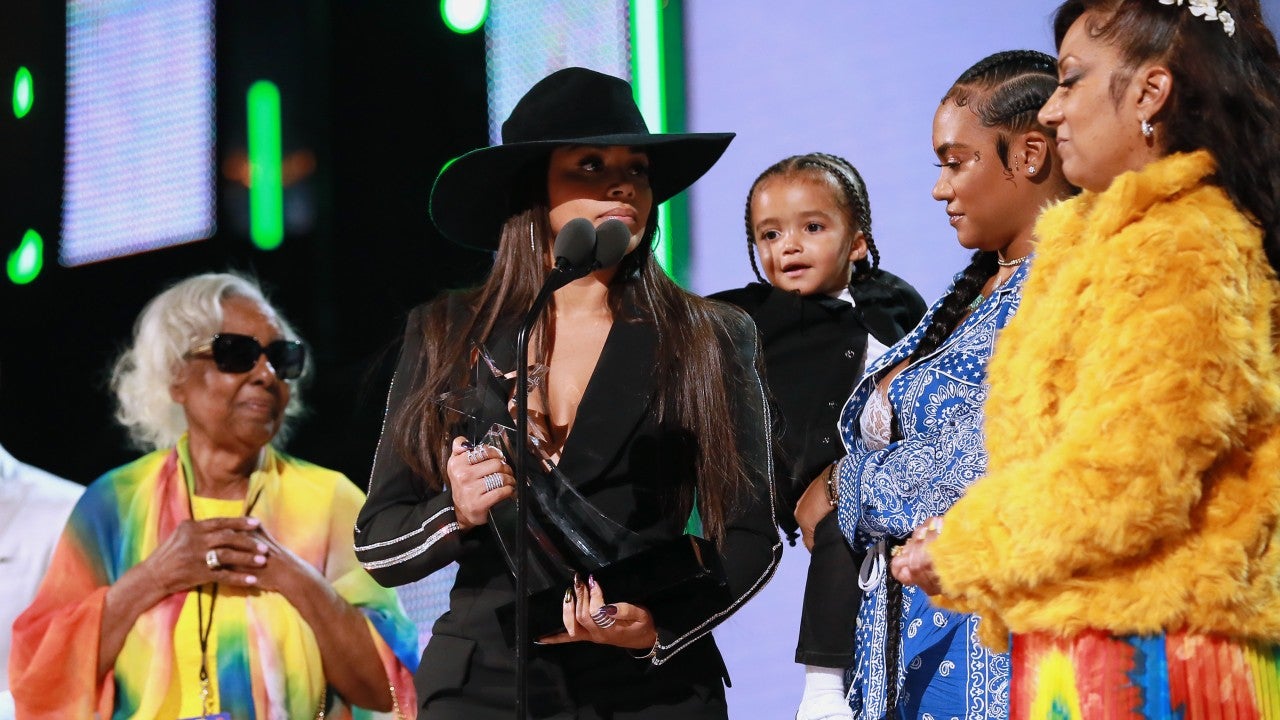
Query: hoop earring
x=1147 y=130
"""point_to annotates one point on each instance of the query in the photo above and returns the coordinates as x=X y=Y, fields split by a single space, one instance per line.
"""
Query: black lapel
x=616 y=400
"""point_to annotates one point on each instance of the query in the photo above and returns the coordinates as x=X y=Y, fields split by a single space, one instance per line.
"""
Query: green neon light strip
x=648 y=73
x=24 y=95
x=26 y=262
x=266 y=187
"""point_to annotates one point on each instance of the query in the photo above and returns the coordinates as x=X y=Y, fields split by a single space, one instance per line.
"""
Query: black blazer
x=623 y=462
x=814 y=350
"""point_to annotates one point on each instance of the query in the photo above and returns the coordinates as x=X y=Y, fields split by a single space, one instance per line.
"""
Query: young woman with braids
x=823 y=312
x=1126 y=529
x=913 y=427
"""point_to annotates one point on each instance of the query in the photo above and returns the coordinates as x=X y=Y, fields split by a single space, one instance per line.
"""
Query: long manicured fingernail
x=250 y=580
x=466 y=445
x=577 y=581
x=609 y=609
x=568 y=595
x=591 y=581
x=253 y=522
x=259 y=560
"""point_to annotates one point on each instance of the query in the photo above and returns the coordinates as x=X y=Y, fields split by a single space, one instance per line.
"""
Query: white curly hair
x=174 y=322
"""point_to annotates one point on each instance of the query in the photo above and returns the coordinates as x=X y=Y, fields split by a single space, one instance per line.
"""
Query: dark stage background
x=379 y=94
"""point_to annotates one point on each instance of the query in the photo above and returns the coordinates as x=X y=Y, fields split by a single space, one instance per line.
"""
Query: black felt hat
x=471 y=198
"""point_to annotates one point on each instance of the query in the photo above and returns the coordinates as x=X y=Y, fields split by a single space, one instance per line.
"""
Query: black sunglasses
x=234 y=353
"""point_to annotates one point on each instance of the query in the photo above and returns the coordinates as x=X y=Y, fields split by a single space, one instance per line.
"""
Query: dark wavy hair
x=1006 y=91
x=694 y=348
x=1225 y=96
x=851 y=197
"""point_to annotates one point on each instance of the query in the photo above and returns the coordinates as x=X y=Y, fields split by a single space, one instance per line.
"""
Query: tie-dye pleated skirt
x=1098 y=676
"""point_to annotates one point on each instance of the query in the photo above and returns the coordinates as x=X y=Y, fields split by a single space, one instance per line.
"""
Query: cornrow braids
x=1006 y=91
x=855 y=193
x=852 y=198
x=956 y=303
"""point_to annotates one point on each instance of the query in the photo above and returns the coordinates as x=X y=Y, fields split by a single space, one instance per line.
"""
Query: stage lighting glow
x=266 y=186
x=23 y=93
x=139 y=127
x=529 y=39
x=26 y=262
x=464 y=16
x=648 y=72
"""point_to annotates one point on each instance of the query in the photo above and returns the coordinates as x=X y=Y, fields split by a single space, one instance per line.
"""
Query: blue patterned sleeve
x=892 y=490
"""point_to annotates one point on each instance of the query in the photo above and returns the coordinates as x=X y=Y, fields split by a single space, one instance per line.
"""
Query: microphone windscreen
x=576 y=242
x=612 y=239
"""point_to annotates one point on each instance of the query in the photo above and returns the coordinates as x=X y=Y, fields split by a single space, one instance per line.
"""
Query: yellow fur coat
x=1133 y=425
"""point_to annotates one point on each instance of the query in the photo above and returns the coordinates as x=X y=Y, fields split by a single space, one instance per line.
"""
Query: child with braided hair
x=824 y=311
x=914 y=426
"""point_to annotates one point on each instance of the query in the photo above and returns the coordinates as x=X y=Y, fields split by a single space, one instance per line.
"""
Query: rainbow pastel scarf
x=267 y=663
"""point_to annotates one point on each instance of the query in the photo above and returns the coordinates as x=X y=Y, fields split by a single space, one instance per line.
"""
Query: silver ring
x=211 y=559
x=602 y=619
x=477 y=454
x=492 y=482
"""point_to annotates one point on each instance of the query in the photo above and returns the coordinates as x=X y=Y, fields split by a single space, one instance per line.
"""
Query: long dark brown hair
x=693 y=350
x=1225 y=96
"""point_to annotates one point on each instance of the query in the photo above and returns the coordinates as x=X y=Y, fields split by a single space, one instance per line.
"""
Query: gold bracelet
x=833 y=496
x=653 y=651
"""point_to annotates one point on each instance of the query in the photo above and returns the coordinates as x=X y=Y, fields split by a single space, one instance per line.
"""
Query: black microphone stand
x=522 y=508
x=565 y=270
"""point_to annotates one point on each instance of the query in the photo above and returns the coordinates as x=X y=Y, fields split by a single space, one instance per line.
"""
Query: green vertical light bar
x=266 y=188
x=24 y=93
x=649 y=70
x=648 y=74
x=26 y=262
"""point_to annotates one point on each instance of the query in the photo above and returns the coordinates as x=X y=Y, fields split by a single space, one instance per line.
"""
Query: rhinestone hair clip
x=1208 y=9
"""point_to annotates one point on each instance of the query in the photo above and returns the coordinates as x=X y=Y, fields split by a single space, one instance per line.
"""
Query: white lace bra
x=877 y=415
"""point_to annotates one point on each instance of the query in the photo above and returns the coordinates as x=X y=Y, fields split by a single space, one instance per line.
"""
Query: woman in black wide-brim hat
x=651 y=399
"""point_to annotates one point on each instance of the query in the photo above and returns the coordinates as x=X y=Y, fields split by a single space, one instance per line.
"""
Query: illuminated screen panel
x=139 y=133
x=530 y=39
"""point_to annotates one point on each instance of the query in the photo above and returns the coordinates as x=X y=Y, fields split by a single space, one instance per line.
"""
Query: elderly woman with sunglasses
x=213 y=577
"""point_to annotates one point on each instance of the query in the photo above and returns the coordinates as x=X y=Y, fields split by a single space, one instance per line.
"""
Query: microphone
x=573 y=251
x=611 y=241
x=575 y=244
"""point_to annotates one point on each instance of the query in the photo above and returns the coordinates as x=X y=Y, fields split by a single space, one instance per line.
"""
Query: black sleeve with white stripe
x=752 y=548
x=405 y=531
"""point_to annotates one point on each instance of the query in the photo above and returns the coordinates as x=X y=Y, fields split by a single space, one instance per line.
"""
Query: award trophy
x=565 y=533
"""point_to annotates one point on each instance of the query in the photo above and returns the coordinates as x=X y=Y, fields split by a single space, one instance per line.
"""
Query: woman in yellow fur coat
x=1125 y=531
